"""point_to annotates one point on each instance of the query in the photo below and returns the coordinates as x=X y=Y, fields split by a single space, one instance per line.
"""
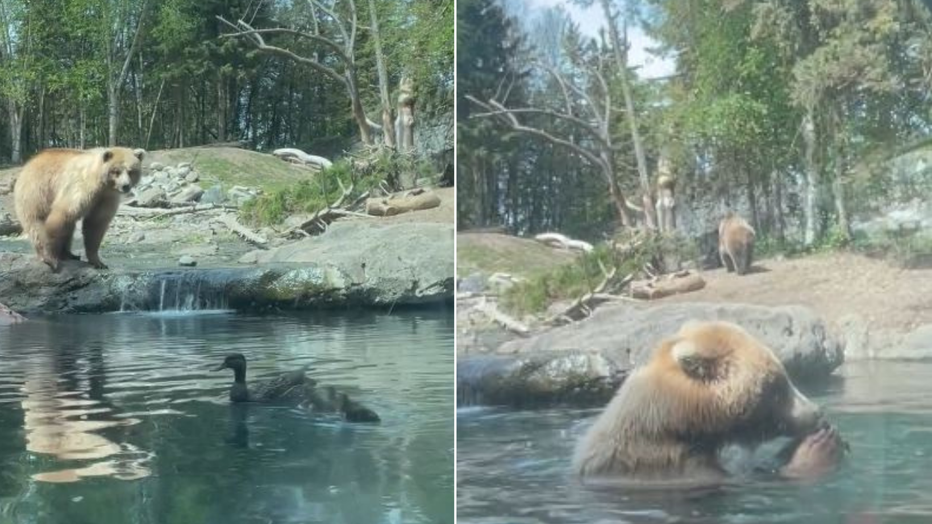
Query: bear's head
x=122 y=168
x=718 y=384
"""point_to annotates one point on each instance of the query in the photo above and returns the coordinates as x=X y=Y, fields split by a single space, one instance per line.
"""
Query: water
x=117 y=419
x=513 y=467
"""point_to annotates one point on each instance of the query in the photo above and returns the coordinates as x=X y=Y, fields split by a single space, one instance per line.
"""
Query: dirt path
x=834 y=285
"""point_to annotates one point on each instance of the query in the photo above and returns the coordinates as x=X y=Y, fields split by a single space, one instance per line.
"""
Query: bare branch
x=582 y=124
x=334 y=46
x=244 y=29
x=496 y=108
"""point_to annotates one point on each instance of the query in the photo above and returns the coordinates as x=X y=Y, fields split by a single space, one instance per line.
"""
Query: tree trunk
x=812 y=178
x=16 y=132
x=404 y=123
x=113 y=114
x=359 y=114
x=752 y=200
x=619 y=47
x=387 y=136
x=780 y=221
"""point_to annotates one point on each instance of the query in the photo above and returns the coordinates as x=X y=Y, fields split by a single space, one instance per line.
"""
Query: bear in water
x=709 y=386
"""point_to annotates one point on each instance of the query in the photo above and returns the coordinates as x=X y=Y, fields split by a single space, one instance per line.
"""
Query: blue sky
x=591 y=20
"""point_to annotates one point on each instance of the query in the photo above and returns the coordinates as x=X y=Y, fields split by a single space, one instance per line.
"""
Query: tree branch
x=244 y=29
x=334 y=46
x=499 y=110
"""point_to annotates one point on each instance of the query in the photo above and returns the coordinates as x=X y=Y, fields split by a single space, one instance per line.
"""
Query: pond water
x=118 y=419
x=513 y=467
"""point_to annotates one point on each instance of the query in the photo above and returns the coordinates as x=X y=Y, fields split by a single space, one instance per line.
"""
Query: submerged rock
x=586 y=361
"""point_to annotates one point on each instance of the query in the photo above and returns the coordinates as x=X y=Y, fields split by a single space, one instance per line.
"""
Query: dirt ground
x=834 y=285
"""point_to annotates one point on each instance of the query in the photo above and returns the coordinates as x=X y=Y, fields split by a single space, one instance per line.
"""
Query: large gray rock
x=587 y=360
x=397 y=261
x=9 y=226
x=359 y=264
x=8 y=316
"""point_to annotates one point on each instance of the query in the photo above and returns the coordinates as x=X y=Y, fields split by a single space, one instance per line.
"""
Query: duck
x=291 y=385
x=294 y=387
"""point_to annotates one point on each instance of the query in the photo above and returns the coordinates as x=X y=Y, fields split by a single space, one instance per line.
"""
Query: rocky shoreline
x=354 y=264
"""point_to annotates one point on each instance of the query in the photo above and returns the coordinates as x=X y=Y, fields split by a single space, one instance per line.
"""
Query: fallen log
x=286 y=153
x=582 y=307
x=509 y=323
x=563 y=241
x=248 y=235
x=671 y=285
x=414 y=200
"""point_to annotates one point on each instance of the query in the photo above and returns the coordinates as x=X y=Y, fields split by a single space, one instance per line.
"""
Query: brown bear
x=58 y=187
x=709 y=386
x=735 y=243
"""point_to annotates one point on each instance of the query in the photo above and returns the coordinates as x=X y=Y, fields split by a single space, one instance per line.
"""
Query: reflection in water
x=117 y=418
x=514 y=466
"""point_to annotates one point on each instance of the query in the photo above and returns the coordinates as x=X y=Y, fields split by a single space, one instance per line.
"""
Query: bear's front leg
x=94 y=227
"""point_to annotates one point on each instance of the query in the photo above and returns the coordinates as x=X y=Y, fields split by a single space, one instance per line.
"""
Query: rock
x=137 y=237
x=9 y=226
x=156 y=166
x=205 y=250
x=240 y=195
x=8 y=316
x=213 y=195
x=183 y=171
x=355 y=264
x=474 y=283
x=501 y=282
x=192 y=177
x=252 y=257
x=152 y=197
x=184 y=165
x=622 y=336
x=400 y=262
x=187 y=195
x=187 y=261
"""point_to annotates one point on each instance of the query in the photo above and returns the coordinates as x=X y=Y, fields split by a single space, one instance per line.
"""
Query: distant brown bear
x=735 y=243
x=709 y=386
x=58 y=187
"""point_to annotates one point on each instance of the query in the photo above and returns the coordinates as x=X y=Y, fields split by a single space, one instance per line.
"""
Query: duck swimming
x=290 y=385
x=294 y=387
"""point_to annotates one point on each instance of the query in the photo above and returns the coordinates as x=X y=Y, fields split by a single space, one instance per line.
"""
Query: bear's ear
x=108 y=155
x=694 y=363
x=140 y=153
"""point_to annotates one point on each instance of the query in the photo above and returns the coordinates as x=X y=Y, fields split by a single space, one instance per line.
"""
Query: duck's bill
x=220 y=367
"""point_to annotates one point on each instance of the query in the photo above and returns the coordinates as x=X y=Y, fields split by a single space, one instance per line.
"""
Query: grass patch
x=570 y=281
x=324 y=188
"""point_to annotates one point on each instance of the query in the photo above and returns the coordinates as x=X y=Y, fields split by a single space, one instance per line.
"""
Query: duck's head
x=234 y=361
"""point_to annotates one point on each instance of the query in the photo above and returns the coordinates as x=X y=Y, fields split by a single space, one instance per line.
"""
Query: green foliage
x=571 y=281
x=325 y=187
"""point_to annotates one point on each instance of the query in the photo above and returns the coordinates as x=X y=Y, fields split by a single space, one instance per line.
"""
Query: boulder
x=587 y=360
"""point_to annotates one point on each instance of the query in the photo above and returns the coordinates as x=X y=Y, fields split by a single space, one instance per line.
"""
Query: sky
x=591 y=20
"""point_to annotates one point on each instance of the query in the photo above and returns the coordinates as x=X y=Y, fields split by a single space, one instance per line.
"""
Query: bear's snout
x=125 y=188
x=805 y=415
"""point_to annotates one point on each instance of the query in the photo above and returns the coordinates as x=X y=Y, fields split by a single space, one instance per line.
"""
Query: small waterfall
x=176 y=292
x=190 y=291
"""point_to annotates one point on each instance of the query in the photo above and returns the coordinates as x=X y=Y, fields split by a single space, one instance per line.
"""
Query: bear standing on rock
x=58 y=187
x=709 y=386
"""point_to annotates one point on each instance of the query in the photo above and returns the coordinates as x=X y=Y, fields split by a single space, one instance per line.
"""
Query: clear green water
x=117 y=419
x=513 y=467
